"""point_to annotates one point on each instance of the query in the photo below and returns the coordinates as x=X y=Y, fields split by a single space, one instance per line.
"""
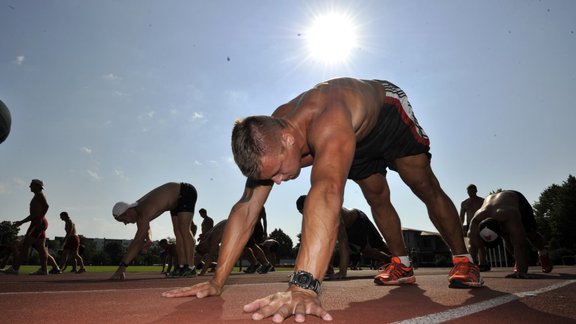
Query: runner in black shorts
x=396 y=134
x=343 y=128
x=186 y=201
x=180 y=200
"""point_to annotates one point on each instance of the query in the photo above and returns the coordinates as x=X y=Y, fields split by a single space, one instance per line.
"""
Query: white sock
x=404 y=260
x=469 y=256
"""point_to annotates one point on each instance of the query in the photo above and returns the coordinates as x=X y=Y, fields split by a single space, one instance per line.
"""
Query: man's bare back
x=159 y=200
x=362 y=100
x=502 y=206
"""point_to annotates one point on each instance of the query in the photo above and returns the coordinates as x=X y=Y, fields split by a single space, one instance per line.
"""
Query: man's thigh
x=417 y=173
x=182 y=221
x=375 y=188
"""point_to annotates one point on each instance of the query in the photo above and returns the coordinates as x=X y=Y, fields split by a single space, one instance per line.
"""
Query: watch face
x=304 y=279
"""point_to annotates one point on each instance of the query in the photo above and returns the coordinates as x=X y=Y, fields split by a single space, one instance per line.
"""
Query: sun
x=331 y=38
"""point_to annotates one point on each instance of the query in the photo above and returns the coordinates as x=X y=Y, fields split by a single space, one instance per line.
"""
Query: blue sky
x=110 y=99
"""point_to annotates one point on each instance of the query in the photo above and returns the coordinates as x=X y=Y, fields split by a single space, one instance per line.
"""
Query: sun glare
x=331 y=38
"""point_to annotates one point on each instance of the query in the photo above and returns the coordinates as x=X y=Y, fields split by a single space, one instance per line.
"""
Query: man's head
x=203 y=212
x=123 y=212
x=300 y=203
x=64 y=216
x=36 y=185
x=472 y=190
x=490 y=232
x=263 y=150
x=163 y=243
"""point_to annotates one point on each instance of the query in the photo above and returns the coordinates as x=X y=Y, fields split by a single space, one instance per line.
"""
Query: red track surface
x=91 y=298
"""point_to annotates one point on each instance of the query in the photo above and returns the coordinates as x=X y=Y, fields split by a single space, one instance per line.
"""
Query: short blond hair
x=253 y=137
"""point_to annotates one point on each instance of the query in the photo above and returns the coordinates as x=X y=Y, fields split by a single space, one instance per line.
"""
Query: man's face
x=34 y=187
x=281 y=167
x=128 y=217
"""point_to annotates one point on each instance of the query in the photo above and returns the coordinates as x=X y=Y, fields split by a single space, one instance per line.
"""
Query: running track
x=91 y=298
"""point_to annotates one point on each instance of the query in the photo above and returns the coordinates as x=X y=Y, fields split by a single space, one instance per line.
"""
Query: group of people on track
x=345 y=129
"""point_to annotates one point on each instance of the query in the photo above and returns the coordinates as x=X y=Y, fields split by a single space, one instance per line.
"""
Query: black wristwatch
x=305 y=280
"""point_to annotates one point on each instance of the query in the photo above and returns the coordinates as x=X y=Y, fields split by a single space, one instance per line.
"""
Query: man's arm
x=333 y=141
x=27 y=219
x=241 y=221
x=474 y=233
x=517 y=235
x=463 y=212
x=264 y=223
x=148 y=241
x=133 y=249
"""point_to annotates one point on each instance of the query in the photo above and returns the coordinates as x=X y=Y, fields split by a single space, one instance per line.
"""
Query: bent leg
x=179 y=242
x=42 y=253
x=536 y=240
x=78 y=260
x=416 y=172
x=185 y=242
x=377 y=193
x=64 y=260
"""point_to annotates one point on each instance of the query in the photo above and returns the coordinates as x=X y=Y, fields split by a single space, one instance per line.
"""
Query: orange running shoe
x=464 y=274
x=546 y=263
x=395 y=273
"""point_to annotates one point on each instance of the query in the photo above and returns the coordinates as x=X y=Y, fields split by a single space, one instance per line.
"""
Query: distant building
x=99 y=243
x=427 y=248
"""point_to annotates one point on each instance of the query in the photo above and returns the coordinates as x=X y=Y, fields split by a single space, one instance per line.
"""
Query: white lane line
x=482 y=306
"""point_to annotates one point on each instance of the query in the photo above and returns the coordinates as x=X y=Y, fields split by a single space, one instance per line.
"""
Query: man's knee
x=376 y=193
x=426 y=186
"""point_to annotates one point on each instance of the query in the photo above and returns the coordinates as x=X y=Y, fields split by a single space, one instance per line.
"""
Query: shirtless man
x=345 y=129
x=171 y=255
x=270 y=247
x=71 y=244
x=180 y=200
x=469 y=206
x=208 y=247
x=207 y=222
x=36 y=233
x=356 y=232
x=509 y=215
x=467 y=210
x=253 y=251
